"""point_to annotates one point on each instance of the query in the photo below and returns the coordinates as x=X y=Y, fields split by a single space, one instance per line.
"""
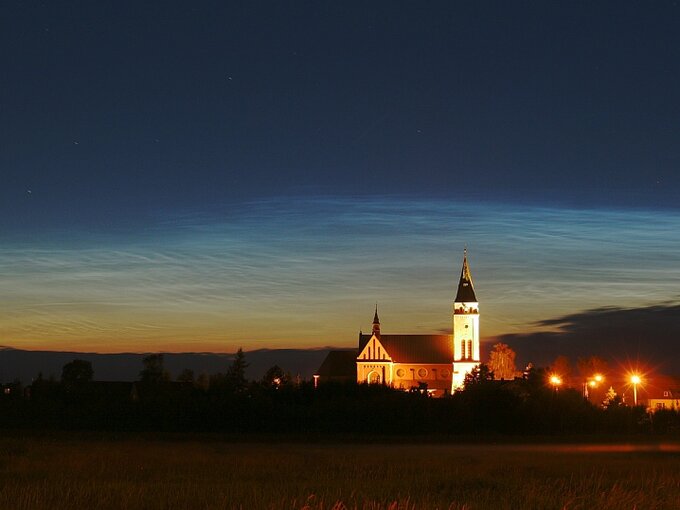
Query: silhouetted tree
x=612 y=399
x=478 y=375
x=536 y=378
x=502 y=362
x=665 y=421
x=561 y=367
x=275 y=376
x=77 y=373
x=236 y=376
x=203 y=381
x=44 y=389
x=153 y=371
x=186 y=376
x=588 y=367
x=219 y=383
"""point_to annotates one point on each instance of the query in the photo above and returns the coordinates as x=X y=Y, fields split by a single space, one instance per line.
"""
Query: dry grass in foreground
x=131 y=474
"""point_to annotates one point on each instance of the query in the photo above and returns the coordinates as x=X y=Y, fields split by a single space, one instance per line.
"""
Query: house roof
x=339 y=364
x=655 y=386
x=415 y=348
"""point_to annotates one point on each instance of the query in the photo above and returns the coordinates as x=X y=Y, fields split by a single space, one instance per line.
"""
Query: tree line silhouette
x=277 y=404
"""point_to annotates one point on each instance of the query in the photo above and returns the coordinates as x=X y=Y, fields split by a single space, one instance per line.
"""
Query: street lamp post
x=591 y=382
x=635 y=379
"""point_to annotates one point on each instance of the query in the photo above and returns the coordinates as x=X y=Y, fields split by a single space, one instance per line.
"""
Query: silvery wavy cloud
x=306 y=272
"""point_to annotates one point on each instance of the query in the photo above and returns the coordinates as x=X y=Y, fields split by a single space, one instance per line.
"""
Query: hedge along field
x=59 y=473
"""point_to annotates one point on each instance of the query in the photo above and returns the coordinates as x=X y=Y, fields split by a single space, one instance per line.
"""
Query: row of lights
x=592 y=382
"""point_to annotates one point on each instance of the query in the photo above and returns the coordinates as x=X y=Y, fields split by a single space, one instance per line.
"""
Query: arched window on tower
x=462 y=349
x=469 y=349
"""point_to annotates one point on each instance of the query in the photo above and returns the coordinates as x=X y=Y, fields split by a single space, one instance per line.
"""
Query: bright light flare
x=635 y=379
x=555 y=380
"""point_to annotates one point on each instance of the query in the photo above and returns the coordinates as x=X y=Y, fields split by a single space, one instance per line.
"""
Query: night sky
x=207 y=175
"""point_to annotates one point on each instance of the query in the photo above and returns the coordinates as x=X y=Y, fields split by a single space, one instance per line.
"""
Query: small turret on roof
x=466 y=290
x=376 y=323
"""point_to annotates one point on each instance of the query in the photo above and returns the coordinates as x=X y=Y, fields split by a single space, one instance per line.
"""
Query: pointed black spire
x=466 y=291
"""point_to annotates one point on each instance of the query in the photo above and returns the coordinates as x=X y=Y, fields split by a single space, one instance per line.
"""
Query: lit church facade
x=436 y=362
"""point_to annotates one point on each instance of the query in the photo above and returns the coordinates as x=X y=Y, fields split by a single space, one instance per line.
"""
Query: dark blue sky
x=208 y=175
x=114 y=110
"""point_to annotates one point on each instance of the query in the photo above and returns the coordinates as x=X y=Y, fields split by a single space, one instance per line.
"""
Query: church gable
x=374 y=350
x=413 y=348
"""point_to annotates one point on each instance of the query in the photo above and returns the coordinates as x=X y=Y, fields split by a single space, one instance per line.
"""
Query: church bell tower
x=465 y=328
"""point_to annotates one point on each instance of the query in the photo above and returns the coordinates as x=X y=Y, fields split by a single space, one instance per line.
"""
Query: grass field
x=63 y=473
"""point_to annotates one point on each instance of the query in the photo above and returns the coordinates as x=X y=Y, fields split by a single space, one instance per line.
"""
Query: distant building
x=663 y=393
x=339 y=366
x=436 y=362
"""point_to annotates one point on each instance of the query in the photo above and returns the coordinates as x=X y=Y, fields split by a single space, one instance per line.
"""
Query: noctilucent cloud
x=307 y=272
x=259 y=174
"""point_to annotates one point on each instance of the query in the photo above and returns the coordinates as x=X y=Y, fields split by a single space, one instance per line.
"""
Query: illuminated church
x=436 y=362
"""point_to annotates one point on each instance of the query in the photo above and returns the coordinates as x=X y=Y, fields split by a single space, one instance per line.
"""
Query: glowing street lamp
x=555 y=380
x=635 y=380
x=592 y=382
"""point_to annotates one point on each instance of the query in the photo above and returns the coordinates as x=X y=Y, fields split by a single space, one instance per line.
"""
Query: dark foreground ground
x=62 y=472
